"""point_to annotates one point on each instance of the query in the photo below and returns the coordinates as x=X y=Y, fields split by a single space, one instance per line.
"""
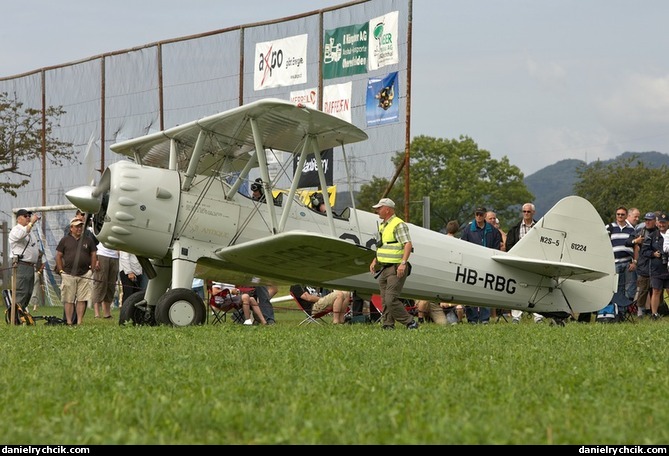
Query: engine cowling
x=138 y=208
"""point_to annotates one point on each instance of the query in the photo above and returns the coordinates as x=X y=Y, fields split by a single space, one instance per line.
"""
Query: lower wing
x=294 y=256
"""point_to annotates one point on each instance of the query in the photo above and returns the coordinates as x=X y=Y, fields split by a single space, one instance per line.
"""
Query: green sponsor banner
x=345 y=51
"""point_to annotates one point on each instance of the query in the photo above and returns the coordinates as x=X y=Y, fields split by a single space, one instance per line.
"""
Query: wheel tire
x=180 y=307
x=139 y=315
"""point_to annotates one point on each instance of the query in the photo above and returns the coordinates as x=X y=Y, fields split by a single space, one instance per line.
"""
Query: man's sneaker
x=515 y=320
x=539 y=320
x=248 y=322
x=655 y=316
x=412 y=325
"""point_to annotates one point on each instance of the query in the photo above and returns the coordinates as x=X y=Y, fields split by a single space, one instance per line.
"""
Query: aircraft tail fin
x=569 y=242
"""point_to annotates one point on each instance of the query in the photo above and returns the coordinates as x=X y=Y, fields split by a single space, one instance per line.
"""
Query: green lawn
x=323 y=384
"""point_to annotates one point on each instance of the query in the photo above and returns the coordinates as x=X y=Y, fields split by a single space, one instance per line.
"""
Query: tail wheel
x=180 y=307
x=137 y=311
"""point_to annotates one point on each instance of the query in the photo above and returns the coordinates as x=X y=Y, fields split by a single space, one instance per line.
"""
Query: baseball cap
x=384 y=202
x=650 y=216
x=480 y=209
x=75 y=221
x=663 y=217
x=21 y=212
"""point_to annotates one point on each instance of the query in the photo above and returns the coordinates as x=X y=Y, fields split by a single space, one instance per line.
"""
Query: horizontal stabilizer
x=551 y=268
x=299 y=257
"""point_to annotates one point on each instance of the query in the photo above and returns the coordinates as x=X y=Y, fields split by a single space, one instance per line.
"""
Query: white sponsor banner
x=383 y=41
x=337 y=100
x=281 y=63
x=308 y=97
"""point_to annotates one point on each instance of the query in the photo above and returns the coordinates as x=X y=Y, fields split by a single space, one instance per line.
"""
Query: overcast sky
x=537 y=81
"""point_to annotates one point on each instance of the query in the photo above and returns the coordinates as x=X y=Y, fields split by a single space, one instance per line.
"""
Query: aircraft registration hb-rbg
x=177 y=206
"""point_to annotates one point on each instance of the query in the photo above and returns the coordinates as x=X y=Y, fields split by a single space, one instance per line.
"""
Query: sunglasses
x=621 y=215
x=479 y=214
x=527 y=212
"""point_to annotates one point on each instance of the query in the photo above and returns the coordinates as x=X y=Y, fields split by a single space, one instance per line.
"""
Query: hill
x=556 y=181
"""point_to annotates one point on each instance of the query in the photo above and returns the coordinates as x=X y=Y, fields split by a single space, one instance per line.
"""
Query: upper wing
x=295 y=255
x=283 y=126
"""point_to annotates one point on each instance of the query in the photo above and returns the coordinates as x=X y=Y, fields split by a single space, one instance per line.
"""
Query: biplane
x=177 y=204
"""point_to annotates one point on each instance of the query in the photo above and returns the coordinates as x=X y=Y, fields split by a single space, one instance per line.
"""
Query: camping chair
x=306 y=307
x=224 y=304
x=375 y=301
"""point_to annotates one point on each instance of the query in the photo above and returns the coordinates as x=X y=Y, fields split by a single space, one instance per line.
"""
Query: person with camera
x=653 y=249
x=317 y=202
x=26 y=256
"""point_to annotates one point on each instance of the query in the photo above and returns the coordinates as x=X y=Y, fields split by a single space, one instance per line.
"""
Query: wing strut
x=194 y=161
x=264 y=173
x=324 y=186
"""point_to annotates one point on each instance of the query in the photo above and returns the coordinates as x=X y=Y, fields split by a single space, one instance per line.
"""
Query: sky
x=536 y=81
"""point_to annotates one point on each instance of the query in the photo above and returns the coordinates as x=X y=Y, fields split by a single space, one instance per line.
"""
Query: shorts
x=325 y=302
x=76 y=288
x=659 y=283
x=104 y=285
x=436 y=313
x=227 y=302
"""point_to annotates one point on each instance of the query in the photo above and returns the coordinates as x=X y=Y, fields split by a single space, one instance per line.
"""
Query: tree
x=458 y=177
x=627 y=182
x=21 y=141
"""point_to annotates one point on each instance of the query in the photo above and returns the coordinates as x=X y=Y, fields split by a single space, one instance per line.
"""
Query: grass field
x=323 y=384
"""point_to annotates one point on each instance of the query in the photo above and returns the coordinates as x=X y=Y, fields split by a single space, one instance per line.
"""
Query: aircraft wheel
x=180 y=307
x=133 y=311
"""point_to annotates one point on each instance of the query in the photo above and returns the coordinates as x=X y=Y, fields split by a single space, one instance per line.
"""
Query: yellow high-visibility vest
x=391 y=250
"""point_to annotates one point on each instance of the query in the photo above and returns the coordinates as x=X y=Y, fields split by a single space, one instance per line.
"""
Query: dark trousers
x=390 y=288
x=263 y=298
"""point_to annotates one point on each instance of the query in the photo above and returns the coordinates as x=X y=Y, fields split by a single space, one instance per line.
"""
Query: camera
x=316 y=200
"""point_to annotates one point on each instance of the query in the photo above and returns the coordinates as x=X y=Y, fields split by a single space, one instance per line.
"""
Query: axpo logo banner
x=281 y=63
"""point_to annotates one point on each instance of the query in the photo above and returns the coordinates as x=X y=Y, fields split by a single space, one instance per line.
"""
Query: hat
x=663 y=217
x=384 y=202
x=76 y=221
x=21 y=212
x=650 y=216
x=480 y=209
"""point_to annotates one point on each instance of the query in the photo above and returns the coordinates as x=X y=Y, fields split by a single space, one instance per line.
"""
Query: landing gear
x=180 y=307
x=137 y=311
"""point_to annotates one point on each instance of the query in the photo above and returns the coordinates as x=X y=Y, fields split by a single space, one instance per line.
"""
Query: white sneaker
x=248 y=322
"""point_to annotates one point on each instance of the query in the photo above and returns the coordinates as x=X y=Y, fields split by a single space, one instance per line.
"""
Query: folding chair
x=223 y=303
x=306 y=306
x=217 y=315
x=375 y=302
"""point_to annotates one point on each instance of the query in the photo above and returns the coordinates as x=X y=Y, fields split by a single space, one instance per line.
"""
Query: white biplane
x=177 y=206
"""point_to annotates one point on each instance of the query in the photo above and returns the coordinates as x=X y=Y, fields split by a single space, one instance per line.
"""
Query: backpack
x=21 y=317
x=608 y=314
